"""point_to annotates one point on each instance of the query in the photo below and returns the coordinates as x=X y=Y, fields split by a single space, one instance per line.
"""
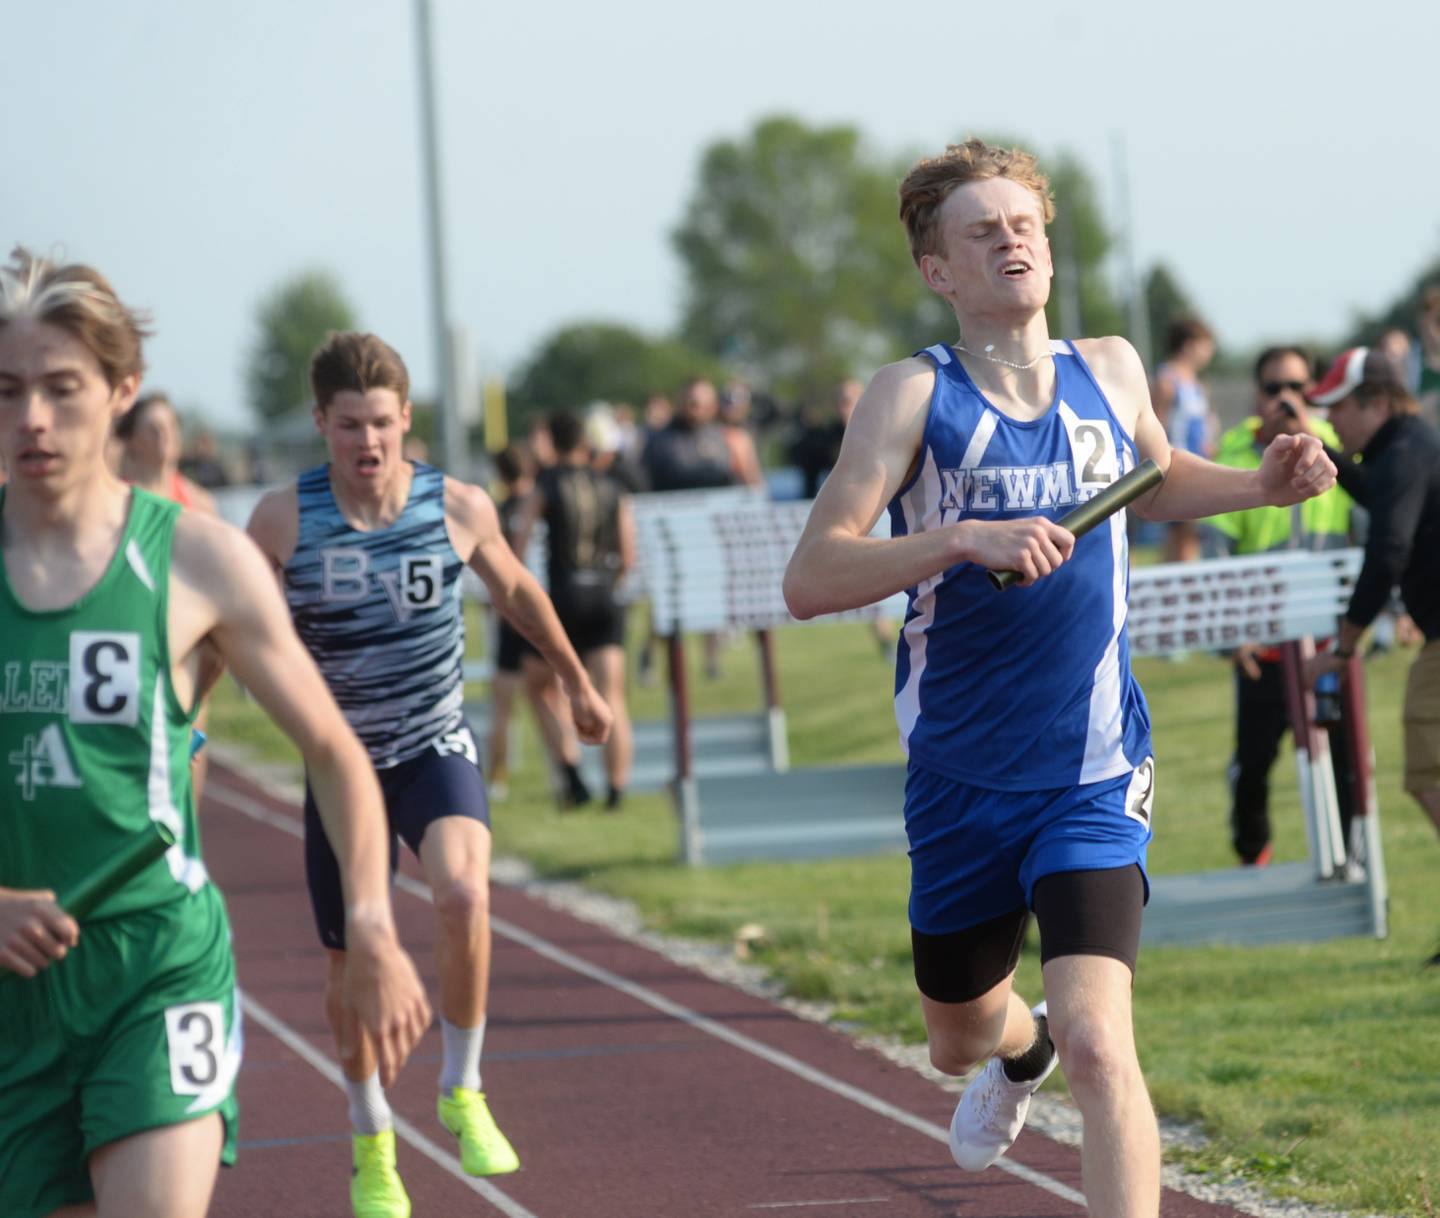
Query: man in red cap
x=1348 y=371
x=1398 y=482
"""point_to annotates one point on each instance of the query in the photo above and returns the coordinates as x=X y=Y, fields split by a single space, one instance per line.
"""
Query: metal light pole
x=451 y=434
x=1139 y=316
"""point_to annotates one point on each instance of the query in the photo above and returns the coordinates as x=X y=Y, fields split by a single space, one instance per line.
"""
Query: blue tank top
x=1028 y=689
x=1189 y=423
x=380 y=612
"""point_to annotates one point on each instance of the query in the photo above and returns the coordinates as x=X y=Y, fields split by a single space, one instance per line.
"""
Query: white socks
x=369 y=1110
x=462 y=1056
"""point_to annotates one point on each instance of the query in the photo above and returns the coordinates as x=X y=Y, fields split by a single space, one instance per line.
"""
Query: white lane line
x=658 y=1002
x=447 y=1162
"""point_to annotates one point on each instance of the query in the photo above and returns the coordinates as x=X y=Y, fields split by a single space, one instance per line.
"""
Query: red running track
x=630 y=1085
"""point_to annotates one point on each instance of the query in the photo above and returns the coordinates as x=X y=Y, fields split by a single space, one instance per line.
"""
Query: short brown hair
x=929 y=184
x=1391 y=396
x=79 y=300
x=349 y=360
x=126 y=424
x=1186 y=330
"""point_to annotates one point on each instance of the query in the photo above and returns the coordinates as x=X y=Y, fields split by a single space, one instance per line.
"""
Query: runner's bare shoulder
x=275 y=523
x=889 y=419
x=1121 y=373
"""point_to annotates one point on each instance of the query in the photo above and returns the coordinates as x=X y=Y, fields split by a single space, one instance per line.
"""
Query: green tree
x=602 y=361
x=796 y=266
x=292 y=322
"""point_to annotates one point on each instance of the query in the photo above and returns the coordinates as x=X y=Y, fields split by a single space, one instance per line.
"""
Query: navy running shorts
x=444 y=780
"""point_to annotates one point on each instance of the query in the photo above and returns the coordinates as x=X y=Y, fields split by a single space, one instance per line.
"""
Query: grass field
x=1314 y=1070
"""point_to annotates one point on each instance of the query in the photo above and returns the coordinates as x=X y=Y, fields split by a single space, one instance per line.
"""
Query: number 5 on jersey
x=417 y=584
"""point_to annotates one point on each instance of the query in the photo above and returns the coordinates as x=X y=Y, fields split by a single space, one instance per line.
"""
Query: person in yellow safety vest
x=1282 y=374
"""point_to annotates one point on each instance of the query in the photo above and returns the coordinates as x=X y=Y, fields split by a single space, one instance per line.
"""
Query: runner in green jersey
x=117 y=1060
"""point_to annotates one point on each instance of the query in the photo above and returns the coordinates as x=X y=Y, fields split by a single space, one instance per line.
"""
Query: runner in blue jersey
x=1030 y=782
x=369 y=548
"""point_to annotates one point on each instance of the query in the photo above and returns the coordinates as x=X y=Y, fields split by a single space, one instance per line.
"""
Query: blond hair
x=79 y=300
x=930 y=182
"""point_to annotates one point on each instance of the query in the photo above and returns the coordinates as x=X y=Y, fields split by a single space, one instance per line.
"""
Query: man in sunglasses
x=1282 y=378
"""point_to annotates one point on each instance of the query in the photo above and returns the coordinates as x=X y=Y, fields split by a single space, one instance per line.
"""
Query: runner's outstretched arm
x=1293 y=468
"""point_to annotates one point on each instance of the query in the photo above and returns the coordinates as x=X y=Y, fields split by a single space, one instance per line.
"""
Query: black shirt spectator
x=1398 y=483
x=582 y=513
x=817 y=447
x=691 y=453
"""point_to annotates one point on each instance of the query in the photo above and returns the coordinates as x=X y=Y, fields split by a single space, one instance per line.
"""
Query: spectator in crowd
x=201 y=464
x=257 y=470
x=658 y=415
x=1282 y=375
x=1404 y=356
x=818 y=444
x=734 y=419
x=1399 y=484
x=1427 y=325
x=690 y=452
x=608 y=454
x=1347 y=372
x=1183 y=408
x=539 y=443
x=591 y=544
x=631 y=440
x=519 y=664
x=150 y=452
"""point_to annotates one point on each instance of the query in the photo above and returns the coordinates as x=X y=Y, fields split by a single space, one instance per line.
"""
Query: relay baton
x=1090 y=513
x=81 y=898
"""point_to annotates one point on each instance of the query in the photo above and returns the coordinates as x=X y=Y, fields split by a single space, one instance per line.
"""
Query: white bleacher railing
x=721 y=568
x=1221 y=603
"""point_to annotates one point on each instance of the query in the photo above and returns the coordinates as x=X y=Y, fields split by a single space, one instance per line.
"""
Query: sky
x=1283 y=160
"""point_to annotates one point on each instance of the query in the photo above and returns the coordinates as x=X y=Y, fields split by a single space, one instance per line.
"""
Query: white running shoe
x=991 y=1113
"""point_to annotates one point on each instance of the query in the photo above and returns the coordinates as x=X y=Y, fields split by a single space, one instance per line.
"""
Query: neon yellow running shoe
x=375 y=1188
x=484 y=1150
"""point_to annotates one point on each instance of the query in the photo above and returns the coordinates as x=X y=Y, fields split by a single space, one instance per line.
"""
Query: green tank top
x=94 y=742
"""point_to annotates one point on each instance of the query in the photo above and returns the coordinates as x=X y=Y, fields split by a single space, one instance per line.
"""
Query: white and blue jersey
x=380 y=612
x=1028 y=689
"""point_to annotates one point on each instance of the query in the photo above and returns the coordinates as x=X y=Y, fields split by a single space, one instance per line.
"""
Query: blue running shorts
x=976 y=853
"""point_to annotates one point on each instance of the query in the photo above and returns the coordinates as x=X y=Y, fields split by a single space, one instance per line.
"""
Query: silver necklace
x=995 y=359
